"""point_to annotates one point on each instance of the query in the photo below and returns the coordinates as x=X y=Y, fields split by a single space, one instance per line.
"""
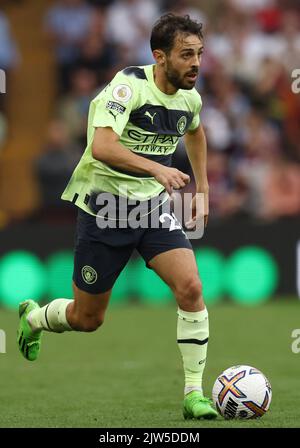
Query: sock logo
x=89 y=275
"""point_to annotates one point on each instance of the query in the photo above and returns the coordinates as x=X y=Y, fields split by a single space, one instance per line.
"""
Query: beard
x=177 y=80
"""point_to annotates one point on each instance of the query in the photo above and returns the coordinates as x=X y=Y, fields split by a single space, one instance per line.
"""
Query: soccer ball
x=242 y=392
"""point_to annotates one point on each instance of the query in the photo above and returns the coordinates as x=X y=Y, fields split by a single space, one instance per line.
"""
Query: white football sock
x=51 y=317
x=192 y=338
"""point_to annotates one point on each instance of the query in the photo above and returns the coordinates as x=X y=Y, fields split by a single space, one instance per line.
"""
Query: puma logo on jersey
x=114 y=115
x=150 y=116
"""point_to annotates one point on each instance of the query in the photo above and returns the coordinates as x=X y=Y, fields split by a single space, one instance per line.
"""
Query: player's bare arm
x=107 y=148
x=196 y=148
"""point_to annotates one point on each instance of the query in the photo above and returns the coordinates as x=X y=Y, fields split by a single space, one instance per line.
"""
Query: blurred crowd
x=9 y=58
x=250 y=113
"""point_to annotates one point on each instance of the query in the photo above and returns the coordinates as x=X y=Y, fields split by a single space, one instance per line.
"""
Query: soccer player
x=133 y=128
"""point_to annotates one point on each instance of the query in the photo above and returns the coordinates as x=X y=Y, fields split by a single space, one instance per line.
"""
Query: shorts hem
x=163 y=250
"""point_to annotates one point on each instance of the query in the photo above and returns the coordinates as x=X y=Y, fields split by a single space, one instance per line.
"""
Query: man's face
x=183 y=61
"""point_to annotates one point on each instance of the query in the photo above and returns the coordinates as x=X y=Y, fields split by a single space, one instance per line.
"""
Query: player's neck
x=161 y=81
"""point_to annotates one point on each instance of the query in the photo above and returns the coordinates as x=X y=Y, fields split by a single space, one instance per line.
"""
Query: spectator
x=74 y=106
x=225 y=198
x=251 y=6
x=9 y=58
x=289 y=39
x=184 y=7
x=240 y=46
x=217 y=173
x=261 y=143
x=281 y=195
x=98 y=24
x=67 y=24
x=128 y=22
x=54 y=166
x=3 y=130
x=101 y=3
x=9 y=55
x=96 y=56
x=273 y=90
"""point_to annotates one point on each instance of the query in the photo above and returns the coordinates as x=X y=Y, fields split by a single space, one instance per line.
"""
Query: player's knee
x=87 y=323
x=189 y=292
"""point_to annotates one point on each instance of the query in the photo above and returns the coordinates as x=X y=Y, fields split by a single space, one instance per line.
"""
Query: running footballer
x=133 y=129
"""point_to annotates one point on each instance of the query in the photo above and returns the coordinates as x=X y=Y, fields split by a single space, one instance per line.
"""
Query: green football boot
x=29 y=342
x=196 y=406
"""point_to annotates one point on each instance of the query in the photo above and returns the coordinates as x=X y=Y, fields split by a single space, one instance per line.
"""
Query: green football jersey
x=149 y=123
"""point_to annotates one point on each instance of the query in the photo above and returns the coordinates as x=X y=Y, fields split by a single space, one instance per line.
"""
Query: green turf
x=128 y=373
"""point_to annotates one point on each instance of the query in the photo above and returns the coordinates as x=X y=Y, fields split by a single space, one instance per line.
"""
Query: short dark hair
x=168 y=26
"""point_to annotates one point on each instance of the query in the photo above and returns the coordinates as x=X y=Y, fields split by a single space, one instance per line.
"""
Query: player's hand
x=199 y=209
x=171 y=178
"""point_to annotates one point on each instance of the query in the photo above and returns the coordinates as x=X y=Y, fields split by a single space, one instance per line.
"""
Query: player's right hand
x=171 y=178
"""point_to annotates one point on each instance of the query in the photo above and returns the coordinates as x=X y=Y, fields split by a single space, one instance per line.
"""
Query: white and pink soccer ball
x=242 y=392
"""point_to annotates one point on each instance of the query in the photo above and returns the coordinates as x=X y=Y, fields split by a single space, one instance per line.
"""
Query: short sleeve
x=114 y=104
x=197 y=108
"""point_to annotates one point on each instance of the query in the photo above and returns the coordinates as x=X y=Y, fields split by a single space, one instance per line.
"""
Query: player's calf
x=63 y=315
x=86 y=323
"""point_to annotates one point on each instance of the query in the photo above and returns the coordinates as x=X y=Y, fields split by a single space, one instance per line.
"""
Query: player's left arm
x=196 y=148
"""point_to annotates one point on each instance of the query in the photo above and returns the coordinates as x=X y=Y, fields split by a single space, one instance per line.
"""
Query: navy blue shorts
x=102 y=253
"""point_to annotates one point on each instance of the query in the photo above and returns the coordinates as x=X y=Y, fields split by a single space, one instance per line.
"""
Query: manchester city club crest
x=181 y=125
x=89 y=275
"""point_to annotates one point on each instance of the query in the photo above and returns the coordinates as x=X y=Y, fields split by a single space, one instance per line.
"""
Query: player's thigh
x=178 y=268
x=170 y=254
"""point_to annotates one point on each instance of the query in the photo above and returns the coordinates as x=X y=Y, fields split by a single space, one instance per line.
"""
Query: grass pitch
x=128 y=373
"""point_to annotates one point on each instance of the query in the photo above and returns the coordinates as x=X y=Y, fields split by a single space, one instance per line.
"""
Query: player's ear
x=159 y=57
